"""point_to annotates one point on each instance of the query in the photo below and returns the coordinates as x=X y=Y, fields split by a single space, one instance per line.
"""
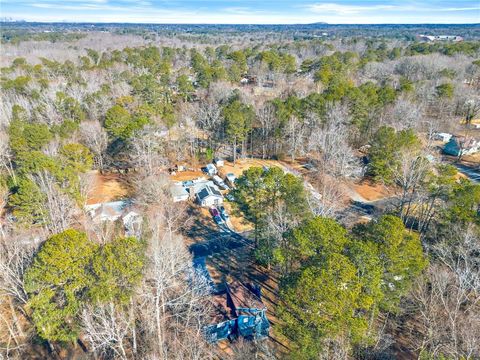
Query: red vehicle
x=214 y=212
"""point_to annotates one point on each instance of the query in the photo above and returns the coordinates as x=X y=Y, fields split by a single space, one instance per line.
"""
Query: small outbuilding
x=444 y=137
x=219 y=162
x=211 y=170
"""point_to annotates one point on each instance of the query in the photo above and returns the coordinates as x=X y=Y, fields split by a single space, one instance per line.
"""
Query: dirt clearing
x=187 y=175
x=371 y=191
x=244 y=164
x=107 y=187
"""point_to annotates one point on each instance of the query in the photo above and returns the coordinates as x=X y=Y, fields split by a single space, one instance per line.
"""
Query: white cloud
x=143 y=11
x=339 y=9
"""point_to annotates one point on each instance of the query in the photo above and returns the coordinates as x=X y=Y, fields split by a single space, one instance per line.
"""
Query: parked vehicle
x=221 y=184
x=214 y=212
x=218 y=219
x=223 y=212
x=230 y=179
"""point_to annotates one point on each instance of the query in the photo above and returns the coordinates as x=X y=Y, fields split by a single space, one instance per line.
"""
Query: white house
x=209 y=196
x=179 y=193
x=108 y=211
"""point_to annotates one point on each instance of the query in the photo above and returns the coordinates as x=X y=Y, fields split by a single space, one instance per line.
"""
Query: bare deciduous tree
x=95 y=138
x=148 y=151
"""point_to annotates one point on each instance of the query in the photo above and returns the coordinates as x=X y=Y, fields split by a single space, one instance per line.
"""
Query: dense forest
x=330 y=109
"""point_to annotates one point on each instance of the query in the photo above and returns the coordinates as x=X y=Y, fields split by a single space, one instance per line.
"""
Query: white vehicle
x=221 y=184
x=230 y=178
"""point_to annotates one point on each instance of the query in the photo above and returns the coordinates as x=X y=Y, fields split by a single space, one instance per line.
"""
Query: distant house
x=431 y=38
x=209 y=195
x=179 y=192
x=444 y=137
x=461 y=145
x=108 y=211
x=210 y=169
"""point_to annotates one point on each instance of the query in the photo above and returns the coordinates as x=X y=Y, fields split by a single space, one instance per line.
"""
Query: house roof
x=208 y=191
x=106 y=211
x=177 y=190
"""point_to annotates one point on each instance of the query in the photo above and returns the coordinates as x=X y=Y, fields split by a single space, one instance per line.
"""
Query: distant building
x=432 y=38
x=461 y=145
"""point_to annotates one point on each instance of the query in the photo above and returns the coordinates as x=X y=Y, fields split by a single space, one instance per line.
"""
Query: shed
x=209 y=196
x=210 y=169
x=444 y=137
x=179 y=193
x=219 y=162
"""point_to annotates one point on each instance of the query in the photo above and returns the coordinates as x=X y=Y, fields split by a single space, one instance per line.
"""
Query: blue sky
x=244 y=12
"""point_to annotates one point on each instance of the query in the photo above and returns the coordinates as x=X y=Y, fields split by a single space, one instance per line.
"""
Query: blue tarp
x=220 y=331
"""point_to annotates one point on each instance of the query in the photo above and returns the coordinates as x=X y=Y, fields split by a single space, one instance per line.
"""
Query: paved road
x=472 y=173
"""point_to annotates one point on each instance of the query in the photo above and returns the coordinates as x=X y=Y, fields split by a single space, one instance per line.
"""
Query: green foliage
x=447 y=48
x=120 y=124
x=70 y=272
x=335 y=284
x=322 y=302
x=260 y=192
x=463 y=203
x=238 y=119
x=27 y=202
x=401 y=254
x=185 y=86
x=386 y=146
x=278 y=62
x=240 y=60
x=314 y=240
x=69 y=108
x=25 y=136
x=56 y=284
x=19 y=84
x=445 y=90
x=117 y=269
x=334 y=68
x=77 y=157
